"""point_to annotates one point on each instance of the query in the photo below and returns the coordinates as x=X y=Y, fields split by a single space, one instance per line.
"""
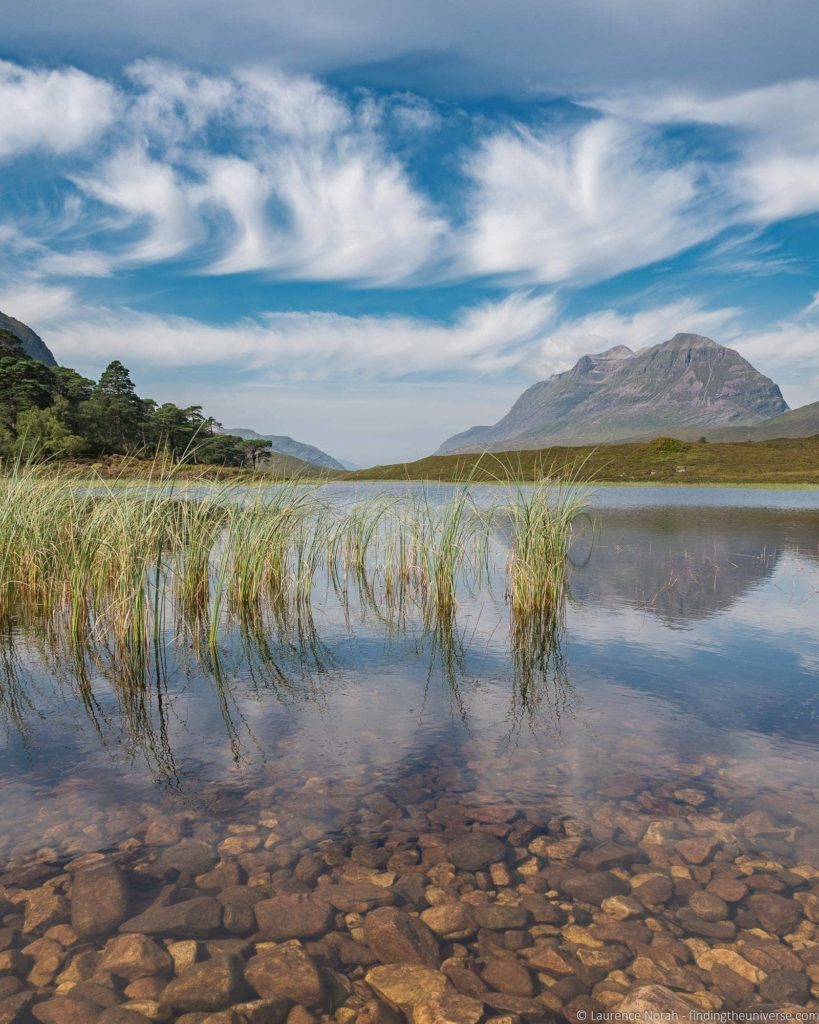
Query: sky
x=370 y=224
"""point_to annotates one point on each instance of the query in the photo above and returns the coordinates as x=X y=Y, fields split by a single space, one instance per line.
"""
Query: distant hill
x=33 y=344
x=801 y=422
x=689 y=381
x=287 y=466
x=287 y=446
x=664 y=460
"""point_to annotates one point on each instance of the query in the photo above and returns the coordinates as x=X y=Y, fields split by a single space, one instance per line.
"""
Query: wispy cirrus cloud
x=307 y=188
x=36 y=302
x=583 y=203
x=258 y=171
x=773 y=132
x=149 y=197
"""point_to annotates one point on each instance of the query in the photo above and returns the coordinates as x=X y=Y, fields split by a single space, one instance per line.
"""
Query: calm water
x=690 y=658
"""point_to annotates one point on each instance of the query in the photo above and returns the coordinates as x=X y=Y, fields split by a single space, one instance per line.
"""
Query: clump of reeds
x=125 y=566
x=542 y=517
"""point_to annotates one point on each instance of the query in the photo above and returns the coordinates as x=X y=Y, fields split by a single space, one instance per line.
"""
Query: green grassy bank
x=782 y=462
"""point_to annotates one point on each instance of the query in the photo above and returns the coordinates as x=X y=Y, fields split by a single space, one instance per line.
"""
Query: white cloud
x=295 y=106
x=36 y=303
x=580 y=204
x=486 y=339
x=345 y=212
x=76 y=263
x=151 y=193
x=277 y=173
x=317 y=195
x=414 y=114
x=781 y=185
x=590 y=202
x=174 y=103
x=775 y=172
x=307 y=190
x=55 y=110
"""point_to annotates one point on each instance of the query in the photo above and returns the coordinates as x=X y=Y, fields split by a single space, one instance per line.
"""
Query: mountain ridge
x=689 y=381
x=285 y=445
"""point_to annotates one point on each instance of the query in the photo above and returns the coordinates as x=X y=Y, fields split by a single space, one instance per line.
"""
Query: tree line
x=52 y=412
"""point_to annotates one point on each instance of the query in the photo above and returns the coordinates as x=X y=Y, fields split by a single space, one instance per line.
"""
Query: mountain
x=33 y=344
x=620 y=395
x=287 y=446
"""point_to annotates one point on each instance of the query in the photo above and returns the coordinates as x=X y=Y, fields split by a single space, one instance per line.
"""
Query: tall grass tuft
x=123 y=569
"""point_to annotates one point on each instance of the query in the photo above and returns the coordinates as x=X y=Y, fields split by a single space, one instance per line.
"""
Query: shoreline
x=245 y=479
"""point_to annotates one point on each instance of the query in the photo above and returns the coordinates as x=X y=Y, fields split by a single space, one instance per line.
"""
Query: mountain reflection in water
x=685 y=564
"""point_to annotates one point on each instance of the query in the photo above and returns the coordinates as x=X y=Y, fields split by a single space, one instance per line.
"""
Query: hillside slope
x=33 y=344
x=801 y=422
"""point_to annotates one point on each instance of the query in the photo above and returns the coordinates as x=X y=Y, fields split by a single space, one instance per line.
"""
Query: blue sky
x=372 y=224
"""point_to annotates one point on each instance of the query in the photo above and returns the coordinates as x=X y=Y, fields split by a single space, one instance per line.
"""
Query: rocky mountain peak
x=619 y=395
x=601 y=363
x=694 y=341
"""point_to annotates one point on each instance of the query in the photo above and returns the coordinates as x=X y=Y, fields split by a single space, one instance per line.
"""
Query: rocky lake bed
x=423 y=899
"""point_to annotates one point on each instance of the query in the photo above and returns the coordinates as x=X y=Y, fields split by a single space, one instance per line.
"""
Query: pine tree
x=118 y=415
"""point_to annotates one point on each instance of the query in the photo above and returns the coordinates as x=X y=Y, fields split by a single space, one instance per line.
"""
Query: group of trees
x=54 y=412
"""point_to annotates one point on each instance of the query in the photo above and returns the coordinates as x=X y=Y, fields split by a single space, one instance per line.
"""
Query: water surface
x=689 y=662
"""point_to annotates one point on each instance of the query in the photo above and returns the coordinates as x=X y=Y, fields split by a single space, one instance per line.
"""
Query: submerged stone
x=65 y=1010
x=44 y=908
x=449 y=1007
x=775 y=913
x=286 y=972
x=99 y=900
x=652 y=1003
x=192 y=856
x=507 y=974
x=475 y=851
x=594 y=886
x=451 y=920
x=135 y=956
x=293 y=916
x=14 y=1009
x=396 y=937
x=210 y=985
x=194 y=918
x=404 y=985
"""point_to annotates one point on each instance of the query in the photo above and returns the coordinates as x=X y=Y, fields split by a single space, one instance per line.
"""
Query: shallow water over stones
x=390 y=830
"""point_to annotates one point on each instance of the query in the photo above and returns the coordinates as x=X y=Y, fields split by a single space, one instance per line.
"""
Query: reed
x=124 y=568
